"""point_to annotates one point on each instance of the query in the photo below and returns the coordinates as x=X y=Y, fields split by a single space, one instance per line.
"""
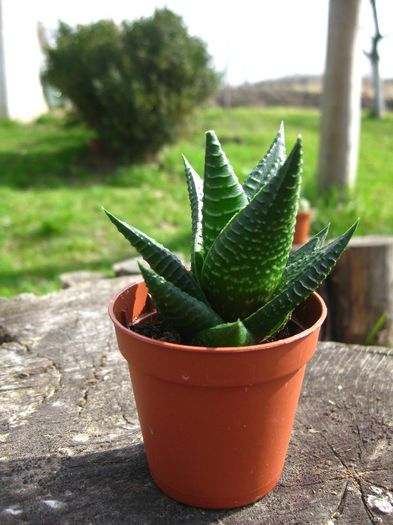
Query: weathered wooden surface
x=71 y=450
x=360 y=291
x=130 y=266
x=69 y=279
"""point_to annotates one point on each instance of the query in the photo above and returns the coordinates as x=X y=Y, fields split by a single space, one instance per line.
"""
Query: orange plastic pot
x=302 y=227
x=216 y=422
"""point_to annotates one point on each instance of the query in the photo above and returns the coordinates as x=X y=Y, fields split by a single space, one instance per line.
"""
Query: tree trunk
x=71 y=445
x=341 y=99
x=379 y=101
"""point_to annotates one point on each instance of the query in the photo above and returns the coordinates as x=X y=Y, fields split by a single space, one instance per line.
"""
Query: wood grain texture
x=360 y=291
x=70 y=443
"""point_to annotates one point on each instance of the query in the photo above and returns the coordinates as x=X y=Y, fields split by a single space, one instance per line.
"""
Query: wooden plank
x=70 y=442
x=360 y=292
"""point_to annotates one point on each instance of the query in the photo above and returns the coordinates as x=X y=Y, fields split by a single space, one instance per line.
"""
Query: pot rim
x=306 y=214
x=222 y=349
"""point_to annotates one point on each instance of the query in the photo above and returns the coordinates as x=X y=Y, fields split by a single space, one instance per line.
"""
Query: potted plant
x=217 y=357
x=303 y=222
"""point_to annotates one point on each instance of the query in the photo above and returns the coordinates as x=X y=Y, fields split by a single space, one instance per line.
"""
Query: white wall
x=21 y=95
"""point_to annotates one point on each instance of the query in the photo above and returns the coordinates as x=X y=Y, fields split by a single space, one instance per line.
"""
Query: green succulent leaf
x=268 y=166
x=246 y=262
x=182 y=311
x=159 y=258
x=223 y=195
x=226 y=334
x=269 y=318
x=195 y=193
x=244 y=282
x=299 y=259
x=198 y=260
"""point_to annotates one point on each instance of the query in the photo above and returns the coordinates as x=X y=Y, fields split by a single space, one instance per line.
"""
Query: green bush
x=133 y=84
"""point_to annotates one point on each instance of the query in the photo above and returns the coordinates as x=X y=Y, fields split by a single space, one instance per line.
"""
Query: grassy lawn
x=51 y=194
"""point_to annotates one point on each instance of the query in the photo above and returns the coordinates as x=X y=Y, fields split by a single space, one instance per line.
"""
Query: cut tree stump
x=69 y=279
x=130 y=266
x=71 y=448
x=360 y=292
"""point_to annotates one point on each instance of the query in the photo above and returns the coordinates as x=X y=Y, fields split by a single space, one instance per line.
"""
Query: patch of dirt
x=290 y=329
x=155 y=328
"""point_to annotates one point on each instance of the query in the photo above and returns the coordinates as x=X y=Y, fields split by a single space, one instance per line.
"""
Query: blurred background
x=99 y=99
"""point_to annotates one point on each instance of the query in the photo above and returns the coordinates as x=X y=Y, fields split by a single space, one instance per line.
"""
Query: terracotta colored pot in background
x=302 y=227
x=216 y=422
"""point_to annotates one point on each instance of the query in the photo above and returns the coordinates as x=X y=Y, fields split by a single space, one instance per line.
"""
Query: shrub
x=133 y=84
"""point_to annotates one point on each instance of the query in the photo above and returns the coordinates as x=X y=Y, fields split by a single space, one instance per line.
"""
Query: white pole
x=21 y=94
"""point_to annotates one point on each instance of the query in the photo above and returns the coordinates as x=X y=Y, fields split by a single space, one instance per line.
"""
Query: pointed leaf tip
x=224 y=335
x=268 y=166
x=249 y=251
x=183 y=312
x=223 y=195
x=161 y=260
x=195 y=194
x=307 y=278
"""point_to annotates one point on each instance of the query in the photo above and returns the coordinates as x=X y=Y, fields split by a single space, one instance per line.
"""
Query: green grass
x=50 y=216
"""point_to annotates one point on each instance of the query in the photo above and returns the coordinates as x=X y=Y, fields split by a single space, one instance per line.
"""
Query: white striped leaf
x=182 y=311
x=223 y=195
x=272 y=316
x=195 y=193
x=299 y=259
x=246 y=262
x=268 y=166
x=158 y=257
x=227 y=334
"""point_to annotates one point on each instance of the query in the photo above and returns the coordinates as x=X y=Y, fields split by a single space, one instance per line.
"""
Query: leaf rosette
x=245 y=280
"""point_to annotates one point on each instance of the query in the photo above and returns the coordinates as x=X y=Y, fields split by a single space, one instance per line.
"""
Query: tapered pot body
x=216 y=422
x=302 y=227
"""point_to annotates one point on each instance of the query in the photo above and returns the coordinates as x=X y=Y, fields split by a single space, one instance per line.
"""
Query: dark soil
x=290 y=329
x=155 y=328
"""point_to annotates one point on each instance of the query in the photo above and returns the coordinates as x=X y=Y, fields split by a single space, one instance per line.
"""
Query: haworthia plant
x=244 y=281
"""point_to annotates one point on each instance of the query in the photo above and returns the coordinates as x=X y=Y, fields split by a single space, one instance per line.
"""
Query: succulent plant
x=244 y=281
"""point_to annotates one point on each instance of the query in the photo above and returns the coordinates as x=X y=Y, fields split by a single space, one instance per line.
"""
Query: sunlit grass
x=50 y=216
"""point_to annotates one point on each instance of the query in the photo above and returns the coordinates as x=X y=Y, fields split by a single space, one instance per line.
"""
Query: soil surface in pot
x=155 y=328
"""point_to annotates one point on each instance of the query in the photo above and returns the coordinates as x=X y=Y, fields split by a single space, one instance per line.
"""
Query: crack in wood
x=369 y=512
x=6 y=336
x=356 y=477
x=30 y=379
x=111 y=480
x=373 y=484
x=340 y=507
x=126 y=419
x=91 y=382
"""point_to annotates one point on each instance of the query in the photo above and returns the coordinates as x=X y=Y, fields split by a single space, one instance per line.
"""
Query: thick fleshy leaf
x=195 y=193
x=162 y=261
x=223 y=195
x=268 y=166
x=182 y=311
x=227 y=334
x=246 y=262
x=299 y=259
x=266 y=321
